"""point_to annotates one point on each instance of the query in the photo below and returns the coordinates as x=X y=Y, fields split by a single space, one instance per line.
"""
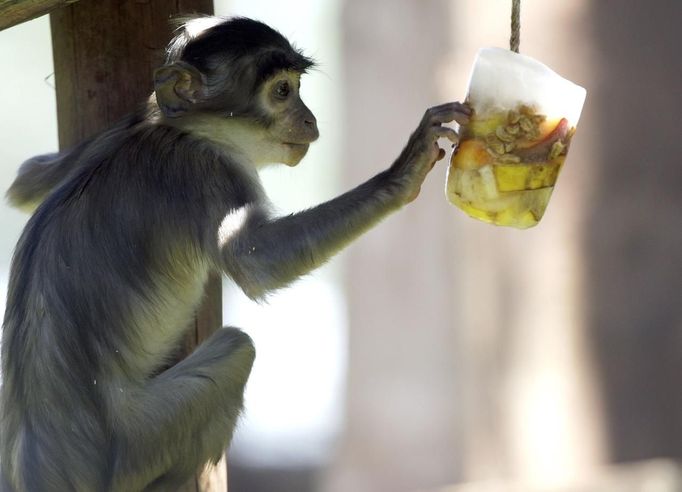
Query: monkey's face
x=292 y=126
x=274 y=126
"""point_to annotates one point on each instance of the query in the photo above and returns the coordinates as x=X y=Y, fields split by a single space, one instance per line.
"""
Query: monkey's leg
x=184 y=417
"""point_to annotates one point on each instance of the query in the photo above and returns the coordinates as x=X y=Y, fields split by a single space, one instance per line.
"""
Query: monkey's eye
x=282 y=90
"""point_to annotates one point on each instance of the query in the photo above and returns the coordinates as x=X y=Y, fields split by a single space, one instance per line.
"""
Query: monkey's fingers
x=445 y=113
x=445 y=132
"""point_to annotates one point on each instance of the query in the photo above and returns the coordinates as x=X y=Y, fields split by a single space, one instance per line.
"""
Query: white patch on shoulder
x=231 y=224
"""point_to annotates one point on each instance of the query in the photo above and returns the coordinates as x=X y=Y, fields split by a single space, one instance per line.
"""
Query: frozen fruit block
x=515 y=144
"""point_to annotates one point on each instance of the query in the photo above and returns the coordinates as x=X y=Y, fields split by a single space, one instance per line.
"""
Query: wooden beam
x=13 y=12
x=105 y=52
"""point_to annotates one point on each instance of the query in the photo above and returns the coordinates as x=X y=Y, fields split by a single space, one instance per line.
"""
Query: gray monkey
x=126 y=229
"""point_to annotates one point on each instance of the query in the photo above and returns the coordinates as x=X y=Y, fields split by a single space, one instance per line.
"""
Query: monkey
x=125 y=230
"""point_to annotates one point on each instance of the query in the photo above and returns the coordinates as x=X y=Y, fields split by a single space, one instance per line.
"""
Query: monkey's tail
x=39 y=175
x=36 y=177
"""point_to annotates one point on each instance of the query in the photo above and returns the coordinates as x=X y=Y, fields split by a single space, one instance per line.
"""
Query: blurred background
x=439 y=353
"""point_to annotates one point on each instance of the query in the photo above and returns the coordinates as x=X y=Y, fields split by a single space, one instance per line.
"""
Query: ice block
x=512 y=151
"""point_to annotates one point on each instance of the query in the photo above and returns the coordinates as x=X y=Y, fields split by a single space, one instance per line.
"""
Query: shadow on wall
x=251 y=479
x=633 y=243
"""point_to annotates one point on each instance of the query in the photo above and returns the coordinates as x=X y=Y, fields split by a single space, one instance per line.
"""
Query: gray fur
x=111 y=267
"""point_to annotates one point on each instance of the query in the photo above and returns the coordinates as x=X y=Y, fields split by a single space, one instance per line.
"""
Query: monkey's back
x=105 y=277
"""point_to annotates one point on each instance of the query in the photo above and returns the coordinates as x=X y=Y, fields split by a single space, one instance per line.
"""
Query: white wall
x=28 y=122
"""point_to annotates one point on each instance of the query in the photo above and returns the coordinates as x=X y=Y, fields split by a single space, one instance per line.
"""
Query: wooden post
x=105 y=52
x=13 y=12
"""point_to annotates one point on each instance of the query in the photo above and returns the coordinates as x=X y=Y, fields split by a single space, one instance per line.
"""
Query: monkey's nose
x=311 y=124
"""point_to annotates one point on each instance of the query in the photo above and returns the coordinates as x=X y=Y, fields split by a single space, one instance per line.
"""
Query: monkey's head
x=238 y=75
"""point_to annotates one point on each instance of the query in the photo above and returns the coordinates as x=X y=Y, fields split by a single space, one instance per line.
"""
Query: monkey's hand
x=422 y=151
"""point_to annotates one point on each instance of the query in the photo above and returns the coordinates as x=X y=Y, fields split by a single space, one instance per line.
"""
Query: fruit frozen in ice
x=515 y=143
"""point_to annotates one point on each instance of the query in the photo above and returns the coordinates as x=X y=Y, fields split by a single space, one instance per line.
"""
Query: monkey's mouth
x=297 y=146
x=295 y=152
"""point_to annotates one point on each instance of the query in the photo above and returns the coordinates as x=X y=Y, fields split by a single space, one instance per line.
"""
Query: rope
x=515 y=38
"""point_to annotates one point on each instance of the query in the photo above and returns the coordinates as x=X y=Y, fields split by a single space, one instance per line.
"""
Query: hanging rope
x=515 y=38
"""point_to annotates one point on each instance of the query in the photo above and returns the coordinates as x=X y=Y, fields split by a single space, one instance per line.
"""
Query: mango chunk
x=519 y=177
x=471 y=154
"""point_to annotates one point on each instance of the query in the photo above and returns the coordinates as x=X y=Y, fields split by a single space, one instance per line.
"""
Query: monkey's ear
x=178 y=87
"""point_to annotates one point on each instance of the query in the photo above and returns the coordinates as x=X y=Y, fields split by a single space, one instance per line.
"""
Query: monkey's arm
x=38 y=176
x=262 y=255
